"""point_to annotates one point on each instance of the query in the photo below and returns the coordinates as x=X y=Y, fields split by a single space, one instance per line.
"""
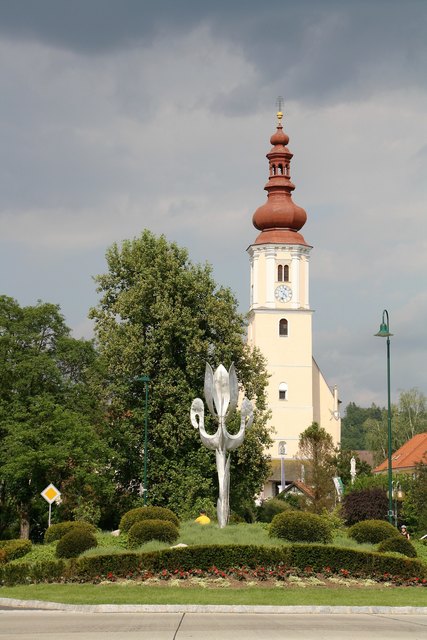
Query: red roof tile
x=408 y=456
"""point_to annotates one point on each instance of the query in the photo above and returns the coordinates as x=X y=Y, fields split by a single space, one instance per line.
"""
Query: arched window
x=283 y=391
x=280 y=273
x=283 y=327
x=286 y=273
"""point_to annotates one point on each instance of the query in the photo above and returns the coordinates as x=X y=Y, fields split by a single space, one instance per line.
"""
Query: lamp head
x=384 y=331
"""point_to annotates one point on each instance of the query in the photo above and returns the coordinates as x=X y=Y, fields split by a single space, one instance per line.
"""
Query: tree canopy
x=316 y=449
x=163 y=317
x=48 y=413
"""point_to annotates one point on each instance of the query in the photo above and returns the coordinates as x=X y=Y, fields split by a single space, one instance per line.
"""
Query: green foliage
x=298 y=526
x=12 y=549
x=50 y=414
x=372 y=531
x=399 y=544
x=147 y=513
x=59 y=530
x=317 y=448
x=414 y=511
x=409 y=417
x=366 y=504
x=24 y=573
x=163 y=316
x=223 y=557
x=75 y=542
x=271 y=507
x=342 y=462
x=146 y=530
x=353 y=432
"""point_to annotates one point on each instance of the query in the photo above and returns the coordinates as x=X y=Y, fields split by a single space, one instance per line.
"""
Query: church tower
x=280 y=318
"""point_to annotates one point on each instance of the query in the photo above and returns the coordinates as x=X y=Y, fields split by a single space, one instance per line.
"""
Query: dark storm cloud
x=311 y=50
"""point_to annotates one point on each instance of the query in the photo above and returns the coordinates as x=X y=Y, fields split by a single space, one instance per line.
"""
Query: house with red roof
x=405 y=459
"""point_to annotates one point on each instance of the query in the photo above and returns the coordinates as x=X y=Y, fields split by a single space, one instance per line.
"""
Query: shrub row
x=25 y=573
x=316 y=556
x=12 y=549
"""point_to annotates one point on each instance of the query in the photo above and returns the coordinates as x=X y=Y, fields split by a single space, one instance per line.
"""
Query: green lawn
x=282 y=596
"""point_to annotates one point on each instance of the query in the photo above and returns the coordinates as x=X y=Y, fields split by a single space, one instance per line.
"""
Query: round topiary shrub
x=57 y=531
x=73 y=543
x=147 y=513
x=299 y=526
x=372 y=531
x=146 y=530
x=399 y=544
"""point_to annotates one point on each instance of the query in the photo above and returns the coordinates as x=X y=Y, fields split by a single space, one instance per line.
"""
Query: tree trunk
x=25 y=523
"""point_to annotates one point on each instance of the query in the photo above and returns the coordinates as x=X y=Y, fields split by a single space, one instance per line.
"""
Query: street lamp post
x=384 y=332
x=145 y=380
x=282 y=453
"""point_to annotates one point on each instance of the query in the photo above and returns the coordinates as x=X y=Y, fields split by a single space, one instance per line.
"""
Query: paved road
x=73 y=625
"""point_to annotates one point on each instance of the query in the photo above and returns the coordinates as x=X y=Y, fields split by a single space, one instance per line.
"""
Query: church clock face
x=283 y=293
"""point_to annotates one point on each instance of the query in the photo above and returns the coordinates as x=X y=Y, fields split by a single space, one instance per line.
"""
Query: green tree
x=409 y=417
x=414 y=512
x=353 y=432
x=316 y=449
x=49 y=416
x=163 y=316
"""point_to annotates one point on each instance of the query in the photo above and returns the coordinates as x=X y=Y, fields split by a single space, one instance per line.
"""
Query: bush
x=270 y=508
x=372 y=531
x=57 y=531
x=147 y=513
x=75 y=542
x=146 y=530
x=224 y=557
x=366 y=504
x=399 y=544
x=298 y=526
x=12 y=549
x=24 y=573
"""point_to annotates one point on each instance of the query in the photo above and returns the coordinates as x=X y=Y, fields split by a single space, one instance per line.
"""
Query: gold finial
x=279 y=104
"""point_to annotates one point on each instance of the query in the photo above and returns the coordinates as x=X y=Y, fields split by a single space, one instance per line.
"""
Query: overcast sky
x=121 y=115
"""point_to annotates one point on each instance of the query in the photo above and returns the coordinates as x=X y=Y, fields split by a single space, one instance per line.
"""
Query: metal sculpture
x=221 y=395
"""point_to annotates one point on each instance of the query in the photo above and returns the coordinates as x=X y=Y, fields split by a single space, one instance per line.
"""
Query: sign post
x=51 y=494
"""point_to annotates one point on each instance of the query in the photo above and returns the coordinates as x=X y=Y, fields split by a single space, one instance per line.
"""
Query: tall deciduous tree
x=316 y=448
x=162 y=316
x=409 y=417
x=48 y=413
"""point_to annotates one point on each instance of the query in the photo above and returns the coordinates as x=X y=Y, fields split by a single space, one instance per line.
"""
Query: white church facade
x=280 y=320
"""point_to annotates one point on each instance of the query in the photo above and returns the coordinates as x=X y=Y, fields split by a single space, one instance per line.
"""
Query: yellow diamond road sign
x=51 y=493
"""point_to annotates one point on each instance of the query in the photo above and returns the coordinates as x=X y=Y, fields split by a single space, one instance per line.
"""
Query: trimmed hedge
x=75 y=542
x=399 y=544
x=146 y=530
x=57 y=531
x=372 y=531
x=24 y=573
x=316 y=556
x=147 y=513
x=300 y=526
x=12 y=549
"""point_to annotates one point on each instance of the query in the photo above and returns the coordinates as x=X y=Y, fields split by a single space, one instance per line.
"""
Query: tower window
x=283 y=273
x=283 y=327
x=283 y=391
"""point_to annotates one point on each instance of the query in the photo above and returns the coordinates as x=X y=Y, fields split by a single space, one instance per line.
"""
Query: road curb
x=42 y=605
